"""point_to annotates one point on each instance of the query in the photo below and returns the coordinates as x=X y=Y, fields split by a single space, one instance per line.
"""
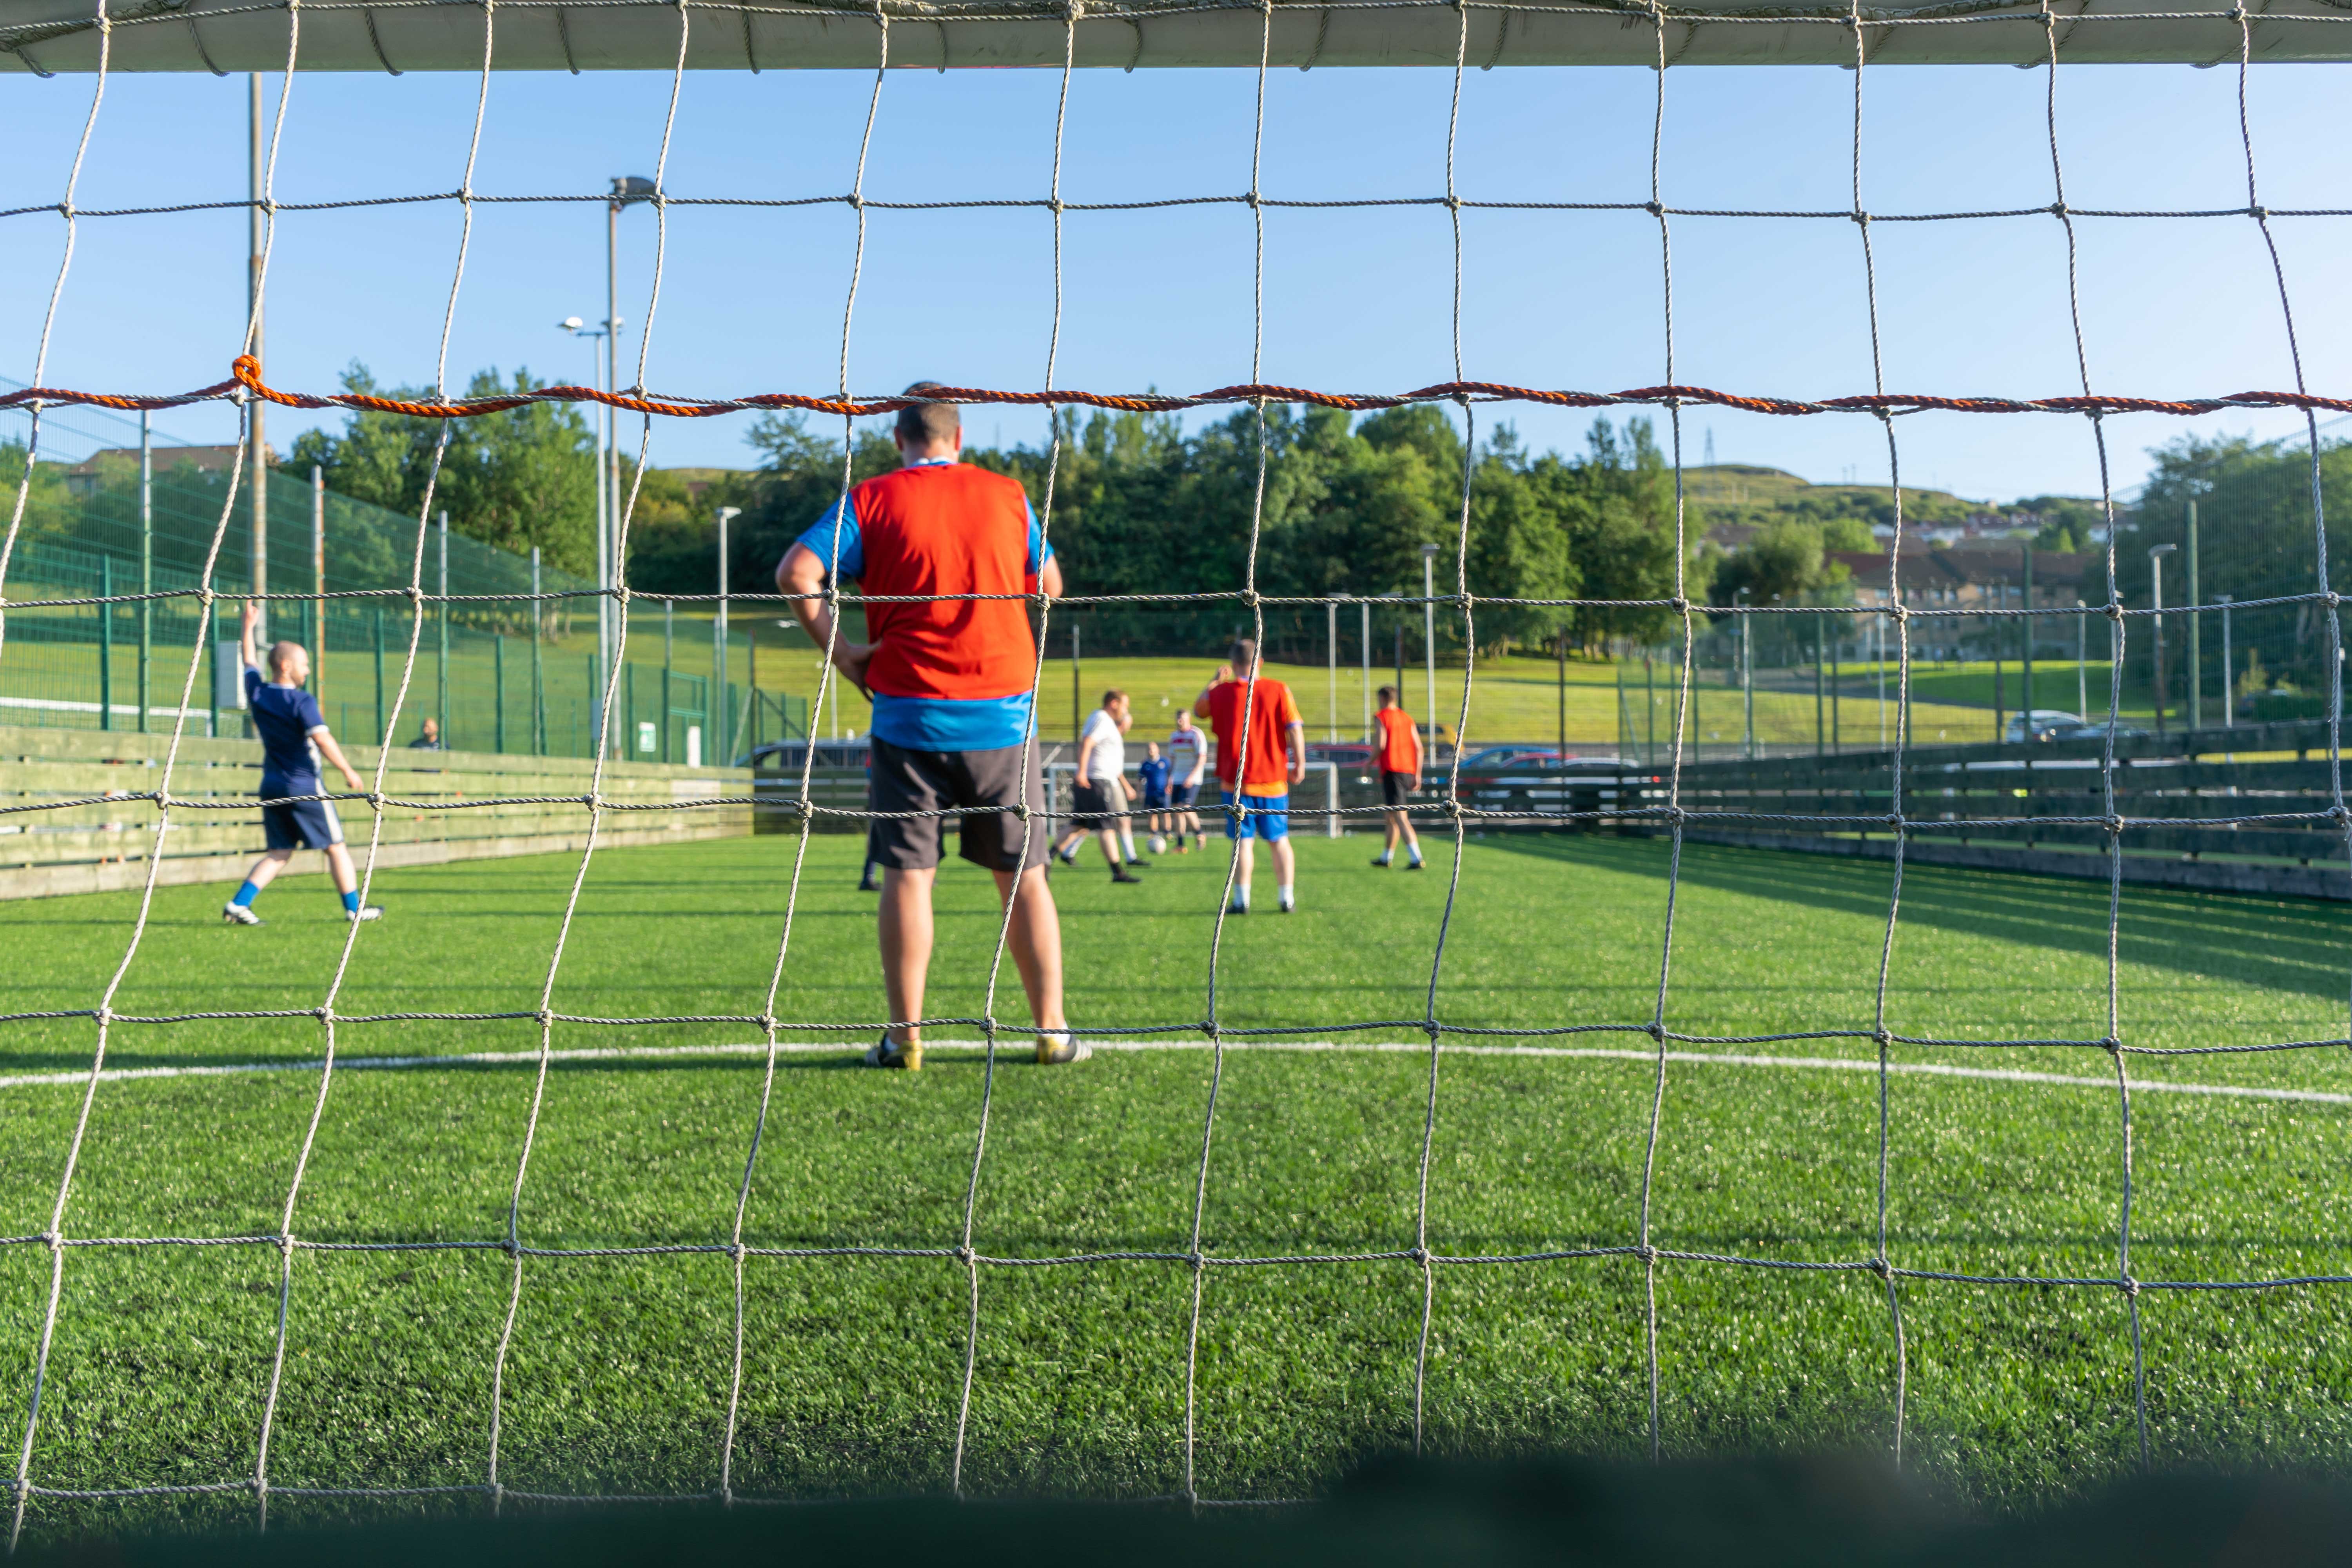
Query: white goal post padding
x=221 y=36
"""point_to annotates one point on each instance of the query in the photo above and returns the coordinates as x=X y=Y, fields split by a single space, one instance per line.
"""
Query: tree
x=517 y=479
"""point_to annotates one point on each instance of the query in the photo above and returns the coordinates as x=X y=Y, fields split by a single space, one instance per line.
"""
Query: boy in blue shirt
x=293 y=735
x=1153 y=774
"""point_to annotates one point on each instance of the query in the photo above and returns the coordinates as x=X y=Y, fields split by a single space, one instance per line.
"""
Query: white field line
x=1407 y=1047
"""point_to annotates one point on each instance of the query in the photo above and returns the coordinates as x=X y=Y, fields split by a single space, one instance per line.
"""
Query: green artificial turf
x=620 y=1367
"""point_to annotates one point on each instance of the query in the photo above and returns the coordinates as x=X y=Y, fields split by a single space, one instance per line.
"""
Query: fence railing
x=106 y=843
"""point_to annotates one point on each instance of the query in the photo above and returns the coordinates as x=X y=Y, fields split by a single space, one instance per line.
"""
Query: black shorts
x=299 y=824
x=1091 y=806
x=983 y=789
x=1395 y=787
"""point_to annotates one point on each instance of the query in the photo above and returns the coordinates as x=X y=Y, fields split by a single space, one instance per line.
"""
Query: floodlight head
x=728 y=514
x=2155 y=551
x=571 y=323
x=1429 y=550
x=627 y=188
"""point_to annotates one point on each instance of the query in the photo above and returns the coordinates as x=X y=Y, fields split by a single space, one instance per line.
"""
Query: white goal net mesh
x=1479 y=34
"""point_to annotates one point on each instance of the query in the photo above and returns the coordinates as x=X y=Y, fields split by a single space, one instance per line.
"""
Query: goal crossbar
x=48 y=36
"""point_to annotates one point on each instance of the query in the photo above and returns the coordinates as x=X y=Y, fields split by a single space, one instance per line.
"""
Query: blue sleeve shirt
x=928 y=723
x=283 y=717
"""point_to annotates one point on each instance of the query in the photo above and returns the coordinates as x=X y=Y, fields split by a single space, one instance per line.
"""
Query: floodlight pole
x=1429 y=633
x=2026 y=661
x=2082 y=661
x=1365 y=605
x=626 y=188
x=257 y=446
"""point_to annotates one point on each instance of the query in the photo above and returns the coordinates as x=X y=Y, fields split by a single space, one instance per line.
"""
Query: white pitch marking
x=1368 y=1048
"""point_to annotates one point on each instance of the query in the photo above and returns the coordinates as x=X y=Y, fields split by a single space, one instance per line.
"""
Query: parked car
x=1347 y=753
x=786 y=756
x=1509 y=756
x=2042 y=725
x=2096 y=729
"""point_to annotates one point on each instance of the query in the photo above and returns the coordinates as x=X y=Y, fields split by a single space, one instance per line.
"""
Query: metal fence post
x=106 y=642
x=318 y=580
x=441 y=671
x=538 y=689
x=381 y=739
x=146 y=560
x=498 y=687
x=670 y=614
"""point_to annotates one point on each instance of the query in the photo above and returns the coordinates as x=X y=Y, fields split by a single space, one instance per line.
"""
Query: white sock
x=1288 y=899
x=1414 y=850
x=1241 y=896
x=1128 y=844
x=1384 y=856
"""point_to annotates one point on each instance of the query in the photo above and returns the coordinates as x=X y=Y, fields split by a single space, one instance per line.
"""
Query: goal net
x=546 y=1332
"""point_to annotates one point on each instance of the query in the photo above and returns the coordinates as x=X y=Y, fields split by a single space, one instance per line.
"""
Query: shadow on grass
x=2284 y=944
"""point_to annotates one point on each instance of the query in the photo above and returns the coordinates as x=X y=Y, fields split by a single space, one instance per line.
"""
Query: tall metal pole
x=2196 y=648
x=146 y=560
x=611 y=476
x=1077 y=703
x=1365 y=605
x=1563 y=693
x=318 y=579
x=2082 y=661
x=256 y=463
x=669 y=625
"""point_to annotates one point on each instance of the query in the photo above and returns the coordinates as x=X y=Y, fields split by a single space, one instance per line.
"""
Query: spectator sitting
x=429 y=739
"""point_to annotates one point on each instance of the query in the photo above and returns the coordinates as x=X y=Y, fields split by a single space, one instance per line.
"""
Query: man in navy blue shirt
x=293 y=736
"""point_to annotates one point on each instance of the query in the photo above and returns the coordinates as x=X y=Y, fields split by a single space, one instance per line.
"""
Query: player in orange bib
x=1398 y=744
x=1256 y=769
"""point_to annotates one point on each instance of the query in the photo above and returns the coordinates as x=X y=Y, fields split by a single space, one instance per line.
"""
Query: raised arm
x=248 y=622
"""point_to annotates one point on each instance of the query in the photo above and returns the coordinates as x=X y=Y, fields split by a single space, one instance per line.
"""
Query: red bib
x=946 y=528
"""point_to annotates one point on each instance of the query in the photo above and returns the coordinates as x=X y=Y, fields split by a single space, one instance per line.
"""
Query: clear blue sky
x=1356 y=299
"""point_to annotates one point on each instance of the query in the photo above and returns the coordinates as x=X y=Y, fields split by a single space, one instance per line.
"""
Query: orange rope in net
x=246 y=377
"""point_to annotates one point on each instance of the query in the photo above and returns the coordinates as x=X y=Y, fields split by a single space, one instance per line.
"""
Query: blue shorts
x=1180 y=797
x=299 y=824
x=1267 y=817
x=1155 y=800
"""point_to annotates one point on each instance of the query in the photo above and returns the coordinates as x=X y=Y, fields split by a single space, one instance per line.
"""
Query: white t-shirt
x=1183 y=754
x=1107 y=760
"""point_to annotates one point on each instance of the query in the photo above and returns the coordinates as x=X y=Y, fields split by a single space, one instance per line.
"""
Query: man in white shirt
x=1099 y=791
x=1188 y=757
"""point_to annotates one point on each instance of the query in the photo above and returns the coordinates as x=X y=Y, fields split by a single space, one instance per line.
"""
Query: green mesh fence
x=496 y=674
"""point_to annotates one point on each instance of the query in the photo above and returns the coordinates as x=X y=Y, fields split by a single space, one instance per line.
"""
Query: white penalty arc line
x=1366 y=1047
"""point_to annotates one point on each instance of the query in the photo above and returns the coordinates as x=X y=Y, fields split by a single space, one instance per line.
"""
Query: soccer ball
x=1159 y=844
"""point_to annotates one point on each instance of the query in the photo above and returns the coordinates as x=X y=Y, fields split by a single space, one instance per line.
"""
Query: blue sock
x=245 y=893
x=352 y=899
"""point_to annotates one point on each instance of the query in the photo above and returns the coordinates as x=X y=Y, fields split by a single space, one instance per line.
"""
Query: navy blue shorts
x=1180 y=797
x=299 y=824
x=1155 y=800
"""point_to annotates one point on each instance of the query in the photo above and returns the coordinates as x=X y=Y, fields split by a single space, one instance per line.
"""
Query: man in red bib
x=1261 y=753
x=950 y=676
